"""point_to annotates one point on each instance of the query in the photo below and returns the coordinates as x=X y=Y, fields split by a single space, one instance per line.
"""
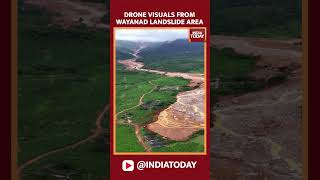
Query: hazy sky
x=151 y=34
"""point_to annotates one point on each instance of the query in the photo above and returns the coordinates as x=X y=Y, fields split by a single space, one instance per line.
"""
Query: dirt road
x=140 y=138
x=97 y=131
x=140 y=100
x=136 y=126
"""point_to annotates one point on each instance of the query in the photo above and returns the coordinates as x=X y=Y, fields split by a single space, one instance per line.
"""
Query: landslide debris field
x=166 y=109
x=257 y=135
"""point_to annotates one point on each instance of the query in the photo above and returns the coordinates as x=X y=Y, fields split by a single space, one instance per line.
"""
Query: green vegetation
x=176 y=56
x=124 y=49
x=130 y=87
x=198 y=139
x=160 y=144
x=265 y=18
x=88 y=160
x=157 y=140
x=175 y=64
x=157 y=90
x=181 y=147
x=126 y=140
x=62 y=88
x=229 y=64
x=194 y=144
x=123 y=56
x=233 y=70
x=170 y=81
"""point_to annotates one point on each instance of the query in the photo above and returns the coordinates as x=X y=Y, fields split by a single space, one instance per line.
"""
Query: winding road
x=136 y=126
x=98 y=130
x=140 y=100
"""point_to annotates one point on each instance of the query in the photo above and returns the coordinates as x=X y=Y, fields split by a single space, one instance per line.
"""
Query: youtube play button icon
x=127 y=165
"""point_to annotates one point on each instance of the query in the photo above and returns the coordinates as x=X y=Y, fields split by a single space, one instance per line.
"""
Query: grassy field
x=126 y=141
x=160 y=144
x=158 y=91
x=229 y=64
x=194 y=144
x=234 y=70
x=62 y=88
x=176 y=64
x=130 y=86
x=88 y=161
x=181 y=147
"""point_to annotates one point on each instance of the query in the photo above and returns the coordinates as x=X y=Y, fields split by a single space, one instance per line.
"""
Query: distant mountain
x=180 y=47
x=128 y=45
x=124 y=49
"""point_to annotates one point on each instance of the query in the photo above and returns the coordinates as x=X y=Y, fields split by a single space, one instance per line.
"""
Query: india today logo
x=127 y=165
x=197 y=35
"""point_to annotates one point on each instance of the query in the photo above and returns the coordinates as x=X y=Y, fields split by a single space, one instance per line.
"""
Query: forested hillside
x=178 y=55
x=266 y=18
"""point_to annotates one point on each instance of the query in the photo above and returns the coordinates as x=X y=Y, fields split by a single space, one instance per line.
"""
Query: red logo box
x=197 y=35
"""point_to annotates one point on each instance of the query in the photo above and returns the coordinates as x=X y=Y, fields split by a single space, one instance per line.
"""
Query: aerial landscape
x=256 y=92
x=159 y=97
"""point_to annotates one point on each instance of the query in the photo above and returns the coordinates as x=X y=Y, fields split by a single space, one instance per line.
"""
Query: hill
x=263 y=18
x=125 y=49
x=60 y=72
x=176 y=47
x=178 y=55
